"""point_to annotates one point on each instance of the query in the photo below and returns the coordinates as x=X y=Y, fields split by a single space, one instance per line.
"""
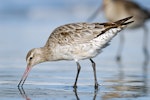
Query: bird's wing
x=79 y=33
x=76 y=33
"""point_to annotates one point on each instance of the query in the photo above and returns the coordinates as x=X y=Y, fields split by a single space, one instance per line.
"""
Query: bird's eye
x=30 y=58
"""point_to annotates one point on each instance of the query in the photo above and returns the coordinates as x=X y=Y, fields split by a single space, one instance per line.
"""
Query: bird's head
x=34 y=56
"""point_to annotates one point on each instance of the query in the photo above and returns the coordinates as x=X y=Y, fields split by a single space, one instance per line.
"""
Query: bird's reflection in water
x=145 y=76
x=95 y=94
x=74 y=95
x=23 y=93
x=94 y=97
x=128 y=86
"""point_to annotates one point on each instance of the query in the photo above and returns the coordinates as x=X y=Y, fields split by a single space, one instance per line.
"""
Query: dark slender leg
x=145 y=43
x=118 y=58
x=94 y=70
x=78 y=71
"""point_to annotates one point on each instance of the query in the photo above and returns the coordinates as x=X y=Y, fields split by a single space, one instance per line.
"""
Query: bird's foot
x=75 y=87
x=96 y=86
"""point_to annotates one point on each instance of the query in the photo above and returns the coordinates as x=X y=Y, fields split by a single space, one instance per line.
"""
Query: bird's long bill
x=25 y=75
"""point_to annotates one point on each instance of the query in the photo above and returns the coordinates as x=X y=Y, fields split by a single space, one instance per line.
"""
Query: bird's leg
x=94 y=70
x=121 y=43
x=78 y=71
x=145 y=43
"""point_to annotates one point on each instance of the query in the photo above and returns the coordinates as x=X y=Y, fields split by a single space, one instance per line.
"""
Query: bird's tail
x=122 y=22
x=110 y=30
x=118 y=24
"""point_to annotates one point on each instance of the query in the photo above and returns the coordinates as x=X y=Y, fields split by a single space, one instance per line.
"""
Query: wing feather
x=76 y=33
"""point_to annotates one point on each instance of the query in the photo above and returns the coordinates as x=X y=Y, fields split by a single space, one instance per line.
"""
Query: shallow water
x=27 y=24
x=118 y=82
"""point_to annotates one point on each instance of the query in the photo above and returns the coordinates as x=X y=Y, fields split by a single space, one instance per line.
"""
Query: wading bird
x=76 y=41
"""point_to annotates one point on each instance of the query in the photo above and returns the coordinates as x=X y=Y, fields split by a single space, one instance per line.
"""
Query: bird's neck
x=46 y=54
x=43 y=54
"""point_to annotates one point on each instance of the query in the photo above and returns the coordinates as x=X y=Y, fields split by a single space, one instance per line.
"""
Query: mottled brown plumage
x=76 y=41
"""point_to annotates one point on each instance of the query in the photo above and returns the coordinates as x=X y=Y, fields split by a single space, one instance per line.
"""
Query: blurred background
x=27 y=24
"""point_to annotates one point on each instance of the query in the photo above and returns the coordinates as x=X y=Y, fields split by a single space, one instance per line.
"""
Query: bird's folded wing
x=76 y=33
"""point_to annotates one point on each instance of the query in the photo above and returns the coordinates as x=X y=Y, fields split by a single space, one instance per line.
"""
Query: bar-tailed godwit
x=76 y=41
x=118 y=9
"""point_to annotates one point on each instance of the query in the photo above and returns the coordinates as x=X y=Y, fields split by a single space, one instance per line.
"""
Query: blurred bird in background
x=117 y=9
